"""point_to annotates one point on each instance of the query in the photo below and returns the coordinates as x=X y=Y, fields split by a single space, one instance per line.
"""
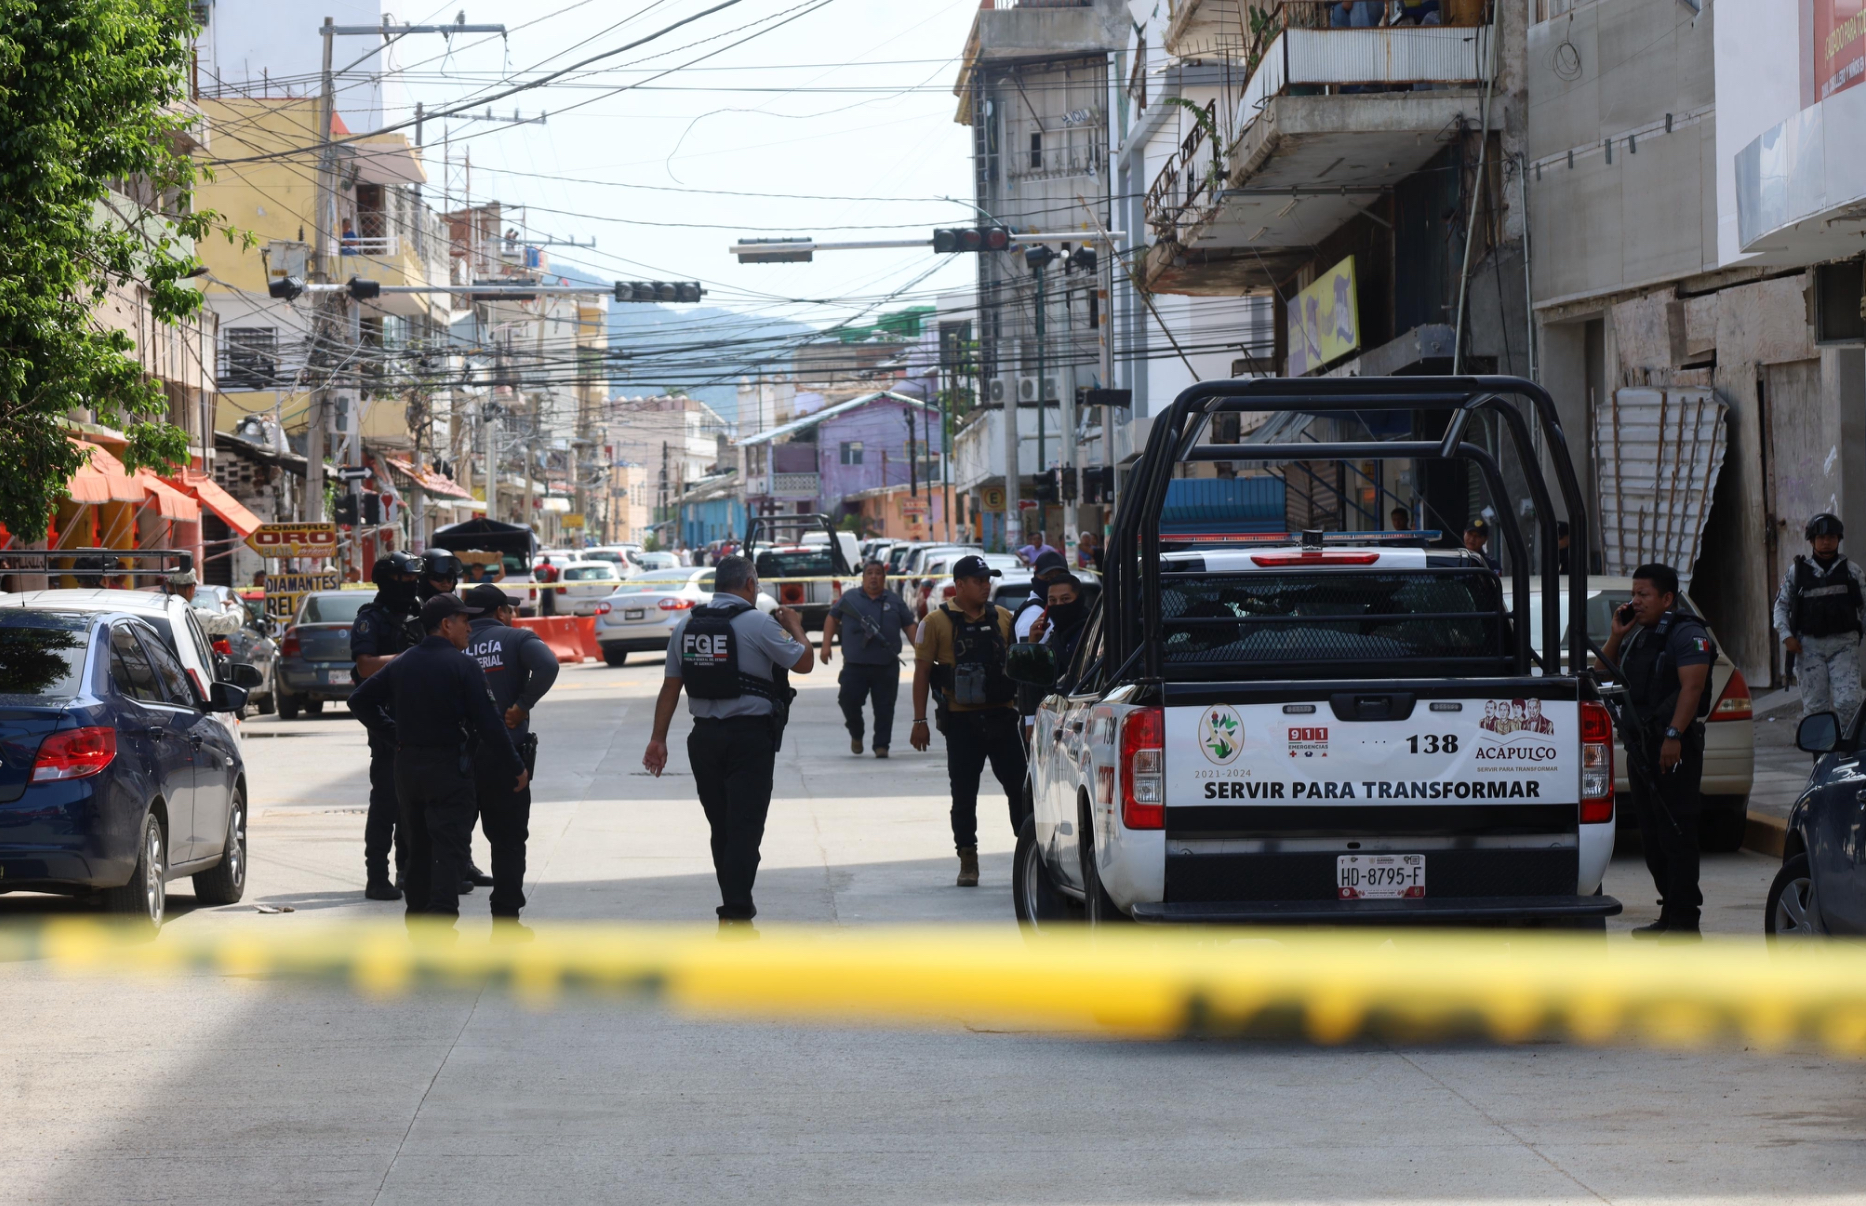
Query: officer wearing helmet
x=384 y=627
x=1821 y=612
x=441 y=571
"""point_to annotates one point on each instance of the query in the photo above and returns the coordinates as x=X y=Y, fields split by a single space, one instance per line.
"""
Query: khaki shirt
x=935 y=648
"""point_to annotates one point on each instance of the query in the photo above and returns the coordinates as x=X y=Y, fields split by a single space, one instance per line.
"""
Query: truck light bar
x=1401 y=538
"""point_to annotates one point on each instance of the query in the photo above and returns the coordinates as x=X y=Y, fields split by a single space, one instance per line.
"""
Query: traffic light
x=372 y=509
x=971 y=238
x=285 y=288
x=686 y=292
x=363 y=290
x=345 y=512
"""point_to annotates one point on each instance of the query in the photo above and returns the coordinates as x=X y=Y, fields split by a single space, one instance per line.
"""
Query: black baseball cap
x=489 y=598
x=974 y=566
x=443 y=605
x=1048 y=562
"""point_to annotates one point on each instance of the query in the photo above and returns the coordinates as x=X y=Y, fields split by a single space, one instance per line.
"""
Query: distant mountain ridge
x=640 y=329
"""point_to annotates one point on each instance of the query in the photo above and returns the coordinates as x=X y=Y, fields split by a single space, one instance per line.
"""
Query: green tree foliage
x=95 y=193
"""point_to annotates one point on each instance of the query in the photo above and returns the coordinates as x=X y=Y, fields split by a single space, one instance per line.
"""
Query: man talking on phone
x=1666 y=655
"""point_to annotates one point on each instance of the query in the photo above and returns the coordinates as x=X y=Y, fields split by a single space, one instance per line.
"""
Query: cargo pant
x=1829 y=670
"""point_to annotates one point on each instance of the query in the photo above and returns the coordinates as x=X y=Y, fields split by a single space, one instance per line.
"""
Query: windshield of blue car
x=41 y=656
x=334 y=609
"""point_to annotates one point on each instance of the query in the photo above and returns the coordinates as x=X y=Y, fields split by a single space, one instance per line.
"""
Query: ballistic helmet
x=397 y=562
x=440 y=563
x=1825 y=524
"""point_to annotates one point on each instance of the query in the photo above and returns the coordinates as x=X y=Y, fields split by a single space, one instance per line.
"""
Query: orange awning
x=218 y=501
x=434 y=483
x=170 y=502
x=103 y=480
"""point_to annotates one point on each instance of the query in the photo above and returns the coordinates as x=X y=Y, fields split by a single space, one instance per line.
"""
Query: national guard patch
x=1701 y=644
x=361 y=626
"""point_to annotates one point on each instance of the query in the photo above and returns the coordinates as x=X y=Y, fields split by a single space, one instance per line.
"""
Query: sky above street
x=831 y=118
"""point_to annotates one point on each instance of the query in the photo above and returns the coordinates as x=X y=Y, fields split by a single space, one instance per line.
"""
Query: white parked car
x=937 y=587
x=639 y=617
x=585 y=584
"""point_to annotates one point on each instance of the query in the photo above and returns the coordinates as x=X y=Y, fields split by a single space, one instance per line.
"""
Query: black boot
x=381 y=889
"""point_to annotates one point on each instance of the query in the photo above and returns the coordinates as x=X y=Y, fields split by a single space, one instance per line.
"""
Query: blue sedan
x=115 y=778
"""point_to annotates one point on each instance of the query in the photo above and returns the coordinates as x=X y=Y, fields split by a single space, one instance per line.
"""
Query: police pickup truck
x=1331 y=729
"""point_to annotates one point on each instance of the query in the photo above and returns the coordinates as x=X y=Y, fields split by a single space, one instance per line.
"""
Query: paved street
x=225 y=1089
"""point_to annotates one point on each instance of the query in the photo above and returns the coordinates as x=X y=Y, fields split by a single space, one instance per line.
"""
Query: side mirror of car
x=1032 y=665
x=245 y=674
x=1818 y=734
x=225 y=697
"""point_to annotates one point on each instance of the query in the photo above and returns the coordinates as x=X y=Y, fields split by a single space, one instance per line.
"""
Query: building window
x=851 y=452
x=1036 y=151
x=249 y=358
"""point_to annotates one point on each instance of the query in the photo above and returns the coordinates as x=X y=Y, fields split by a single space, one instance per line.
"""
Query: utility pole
x=334 y=305
x=323 y=324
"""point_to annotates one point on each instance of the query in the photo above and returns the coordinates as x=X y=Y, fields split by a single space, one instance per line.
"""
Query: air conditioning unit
x=1027 y=390
x=997 y=391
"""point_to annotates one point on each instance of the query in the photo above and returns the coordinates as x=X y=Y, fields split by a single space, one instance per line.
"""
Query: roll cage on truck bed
x=1347 y=730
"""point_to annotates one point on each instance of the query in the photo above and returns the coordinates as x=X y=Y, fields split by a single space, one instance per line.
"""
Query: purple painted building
x=817 y=462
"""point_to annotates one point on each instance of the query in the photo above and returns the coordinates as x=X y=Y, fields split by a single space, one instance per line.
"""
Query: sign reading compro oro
x=284 y=592
x=294 y=540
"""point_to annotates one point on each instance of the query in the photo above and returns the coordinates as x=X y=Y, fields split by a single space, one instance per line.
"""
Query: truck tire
x=1033 y=894
x=225 y=882
x=144 y=899
x=1097 y=907
x=1723 y=824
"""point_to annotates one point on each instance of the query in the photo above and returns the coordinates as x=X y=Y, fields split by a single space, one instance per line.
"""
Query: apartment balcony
x=783 y=486
x=1330 y=120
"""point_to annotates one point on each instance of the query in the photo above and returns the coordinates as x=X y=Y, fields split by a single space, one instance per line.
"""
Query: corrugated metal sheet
x=1657 y=453
x=1238 y=504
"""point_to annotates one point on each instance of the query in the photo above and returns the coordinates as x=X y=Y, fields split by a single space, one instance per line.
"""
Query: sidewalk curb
x=1766 y=835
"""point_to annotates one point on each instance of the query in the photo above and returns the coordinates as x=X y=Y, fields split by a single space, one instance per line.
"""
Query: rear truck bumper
x=305 y=683
x=1498 y=909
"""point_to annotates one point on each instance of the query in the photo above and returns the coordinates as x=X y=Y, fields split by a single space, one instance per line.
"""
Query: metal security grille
x=249 y=358
x=1305 y=625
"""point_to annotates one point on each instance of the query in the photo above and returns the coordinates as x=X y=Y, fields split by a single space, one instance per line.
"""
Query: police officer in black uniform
x=1666 y=656
x=441 y=572
x=733 y=661
x=385 y=627
x=434 y=700
x=519 y=668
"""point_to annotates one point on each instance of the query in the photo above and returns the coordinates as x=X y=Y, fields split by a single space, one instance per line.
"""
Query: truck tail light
x=790 y=592
x=74 y=754
x=1733 y=704
x=674 y=604
x=289 y=647
x=949 y=592
x=1143 y=769
x=1596 y=765
x=221 y=646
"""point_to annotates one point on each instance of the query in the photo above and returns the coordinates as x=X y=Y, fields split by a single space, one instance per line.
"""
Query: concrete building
x=817 y=462
x=1697 y=232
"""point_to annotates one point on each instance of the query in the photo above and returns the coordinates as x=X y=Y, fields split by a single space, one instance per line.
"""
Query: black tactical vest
x=1823 y=604
x=978 y=653
x=709 y=657
x=1651 y=676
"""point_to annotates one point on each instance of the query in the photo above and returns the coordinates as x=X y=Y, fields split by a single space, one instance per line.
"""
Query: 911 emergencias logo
x=1221 y=735
x=1308 y=743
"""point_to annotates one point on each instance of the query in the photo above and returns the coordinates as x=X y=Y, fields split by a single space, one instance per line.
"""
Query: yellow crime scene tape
x=851 y=579
x=1324 y=987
